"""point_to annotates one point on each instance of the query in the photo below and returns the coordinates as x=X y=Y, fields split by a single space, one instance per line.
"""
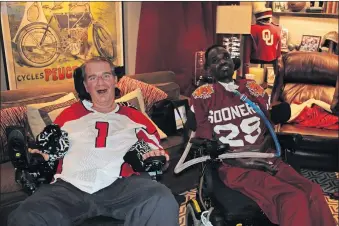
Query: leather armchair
x=300 y=77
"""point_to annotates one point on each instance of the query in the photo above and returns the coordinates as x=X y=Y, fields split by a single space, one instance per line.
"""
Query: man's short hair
x=97 y=59
x=79 y=76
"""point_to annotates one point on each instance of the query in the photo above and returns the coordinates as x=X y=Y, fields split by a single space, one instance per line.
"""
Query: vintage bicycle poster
x=45 y=41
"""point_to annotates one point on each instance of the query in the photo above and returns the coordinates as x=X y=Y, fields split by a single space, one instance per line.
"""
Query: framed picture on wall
x=284 y=39
x=45 y=41
x=279 y=6
x=270 y=75
x=310 y=43
x=232 y=44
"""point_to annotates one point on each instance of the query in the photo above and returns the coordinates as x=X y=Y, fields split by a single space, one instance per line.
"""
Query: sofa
x=307 y=77
x=11 y=192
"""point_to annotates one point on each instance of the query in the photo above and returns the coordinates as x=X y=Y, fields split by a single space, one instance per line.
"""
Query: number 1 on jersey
x=100 y=141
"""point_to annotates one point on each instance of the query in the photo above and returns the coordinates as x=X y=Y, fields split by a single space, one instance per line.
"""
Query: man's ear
x=115 y=79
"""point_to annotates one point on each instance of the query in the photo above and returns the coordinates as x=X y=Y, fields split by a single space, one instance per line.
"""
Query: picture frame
x=279 y=6
x=284 y=39
x=270 y=76
x=43 y=42
x=232 y=42
x=310 y=43
x=180 y=113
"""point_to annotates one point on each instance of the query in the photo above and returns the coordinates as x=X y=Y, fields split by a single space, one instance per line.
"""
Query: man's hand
x=36 y=151
x=155 y=153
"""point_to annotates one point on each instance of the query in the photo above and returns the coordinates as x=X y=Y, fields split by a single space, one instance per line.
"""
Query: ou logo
x=267 y=37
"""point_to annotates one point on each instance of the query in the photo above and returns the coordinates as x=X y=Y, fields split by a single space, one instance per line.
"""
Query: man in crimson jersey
x=286 y=198
x=92 y=178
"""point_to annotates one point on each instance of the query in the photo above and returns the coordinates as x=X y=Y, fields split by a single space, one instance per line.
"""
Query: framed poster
x=180 y=113
x=310 y=43
x=284 y=39
x=270 y=76
x=232 y=44
x=45 y=41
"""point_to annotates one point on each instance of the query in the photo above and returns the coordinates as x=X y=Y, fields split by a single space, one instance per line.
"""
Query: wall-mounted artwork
x=284 y=39
x=232 y=44
x=45 y=41
x=270 y=75
x=310 y=43
x=279 y=6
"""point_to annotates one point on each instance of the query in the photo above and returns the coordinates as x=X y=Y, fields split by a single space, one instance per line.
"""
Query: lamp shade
x=234 y=19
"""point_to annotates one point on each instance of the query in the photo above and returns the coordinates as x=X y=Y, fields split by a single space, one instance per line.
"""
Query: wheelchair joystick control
x=215 y=148
x=154 y=166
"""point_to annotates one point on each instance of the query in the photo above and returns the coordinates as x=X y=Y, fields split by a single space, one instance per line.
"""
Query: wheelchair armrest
x=198 y=141
x=212 y=147
x=289 y=140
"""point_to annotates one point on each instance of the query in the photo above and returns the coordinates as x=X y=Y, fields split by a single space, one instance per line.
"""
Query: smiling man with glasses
x=93 y=178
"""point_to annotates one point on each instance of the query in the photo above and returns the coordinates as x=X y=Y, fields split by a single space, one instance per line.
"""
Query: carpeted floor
x=329 y=181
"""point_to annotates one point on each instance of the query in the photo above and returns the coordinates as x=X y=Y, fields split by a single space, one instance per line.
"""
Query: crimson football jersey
x=266 y=45
x=222 y=113
x=98 y=143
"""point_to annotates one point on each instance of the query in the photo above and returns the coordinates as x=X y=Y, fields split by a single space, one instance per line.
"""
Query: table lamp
x=231 y=23
x=258 y=73
x=234 y=19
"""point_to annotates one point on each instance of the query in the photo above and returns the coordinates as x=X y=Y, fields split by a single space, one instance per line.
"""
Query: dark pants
x=137 y=200
x=288 y=199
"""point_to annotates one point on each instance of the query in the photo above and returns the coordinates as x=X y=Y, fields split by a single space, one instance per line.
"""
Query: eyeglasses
x=105 y=77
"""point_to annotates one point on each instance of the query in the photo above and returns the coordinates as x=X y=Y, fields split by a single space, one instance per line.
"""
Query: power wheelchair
x=31 y=171
x=216 y=204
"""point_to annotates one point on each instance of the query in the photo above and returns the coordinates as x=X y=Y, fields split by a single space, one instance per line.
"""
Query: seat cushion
x=170 y=88
x=299 y=93
x=289 y=128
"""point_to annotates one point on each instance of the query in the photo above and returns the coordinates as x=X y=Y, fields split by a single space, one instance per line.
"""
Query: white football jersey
x=98 y=143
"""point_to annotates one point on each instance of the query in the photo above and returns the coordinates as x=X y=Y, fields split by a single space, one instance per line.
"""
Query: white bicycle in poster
x=38 y=44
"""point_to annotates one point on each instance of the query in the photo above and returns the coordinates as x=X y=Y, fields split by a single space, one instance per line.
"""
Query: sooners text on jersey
x=231 y=120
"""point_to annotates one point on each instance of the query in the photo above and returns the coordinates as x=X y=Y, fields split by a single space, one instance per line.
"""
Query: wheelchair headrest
x=79 y=84
x=237 y=63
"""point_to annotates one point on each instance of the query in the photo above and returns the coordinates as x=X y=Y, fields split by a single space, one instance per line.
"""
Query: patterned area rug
x=329 y=182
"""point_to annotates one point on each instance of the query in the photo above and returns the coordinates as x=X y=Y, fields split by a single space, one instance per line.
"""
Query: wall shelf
x=304 y=14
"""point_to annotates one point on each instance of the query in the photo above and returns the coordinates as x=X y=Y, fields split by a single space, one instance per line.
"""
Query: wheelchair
x=216 y=204
x=31 y=171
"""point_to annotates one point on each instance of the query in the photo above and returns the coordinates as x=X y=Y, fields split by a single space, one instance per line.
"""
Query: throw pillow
x=150 y=93
x=14 y=116
x=136 y=99
x=41 y=115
